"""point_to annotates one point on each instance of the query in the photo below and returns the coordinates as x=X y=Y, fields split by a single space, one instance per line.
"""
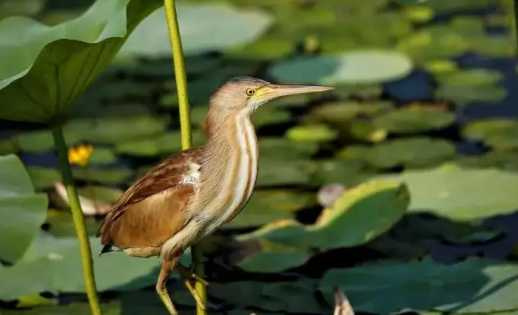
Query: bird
x=190 y=194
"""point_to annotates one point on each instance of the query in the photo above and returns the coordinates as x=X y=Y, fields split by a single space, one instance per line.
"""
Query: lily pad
x=501 y=134
x=285 y=149
x=21 y=210
x=472 y=286
x=468 y=86
x=462 y=194
x=59 y=62
x=269 y=205
x=341 y=113
x=368 y=66
x=311 y=133
x=273 y=172
x=199 y=30
x=358 y=216
x=105 y=175
x=413 y=120
x=51 y=264
x=411 y=152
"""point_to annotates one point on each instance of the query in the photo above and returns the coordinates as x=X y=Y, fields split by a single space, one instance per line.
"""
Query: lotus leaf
x=21 y=210
x=413 y=120
x=311 y=133
x=340 y=113
x=51 y=264
x=59 y=62
x=462 y=194
x=269 y=205
x=501 y=134
x=367 y=66
x=359 y=215
x=412 y=152
x=200 y=32
x=472 y=286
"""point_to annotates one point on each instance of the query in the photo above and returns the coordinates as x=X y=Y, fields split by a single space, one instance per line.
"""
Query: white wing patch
x=193 y=175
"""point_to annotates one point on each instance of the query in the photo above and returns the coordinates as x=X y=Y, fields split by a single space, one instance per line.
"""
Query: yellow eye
x=250 y=92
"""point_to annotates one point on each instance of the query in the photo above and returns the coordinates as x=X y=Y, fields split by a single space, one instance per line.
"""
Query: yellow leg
x=161 y=289
x=188 y=275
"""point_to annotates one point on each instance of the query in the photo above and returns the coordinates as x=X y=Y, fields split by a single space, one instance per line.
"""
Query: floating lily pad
x=473 y=286
x=411 y=152
x=43 y=177
x=462 y=194
x=339 y=171
x=199 y=31
x=340 y=113
x=165 y=143
x=476 y=85
x=20 y=7
x=21 y=210
x=59 y=62
x=369 y=66
x=53 y=265
x=280 y=297
x=109 y=130
x=359 y=215
x=269 y=116
x=501 y=134
x=34 y=141
x=413 y=120
x=273 y=172
x=505 y=160
x=285 y=149
x=110 y=176
x=269 y=205
x=311 y=133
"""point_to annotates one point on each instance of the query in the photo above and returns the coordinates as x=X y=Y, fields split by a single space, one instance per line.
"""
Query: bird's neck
x=230 y=135
x=229 y=168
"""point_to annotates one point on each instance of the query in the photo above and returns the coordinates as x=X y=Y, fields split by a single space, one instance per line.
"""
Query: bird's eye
x=250 y=92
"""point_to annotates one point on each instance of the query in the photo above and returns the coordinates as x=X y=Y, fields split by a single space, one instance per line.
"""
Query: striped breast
x=239 y=177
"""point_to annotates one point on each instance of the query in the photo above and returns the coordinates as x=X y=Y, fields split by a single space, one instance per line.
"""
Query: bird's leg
x=167 y=266
x=188 y=275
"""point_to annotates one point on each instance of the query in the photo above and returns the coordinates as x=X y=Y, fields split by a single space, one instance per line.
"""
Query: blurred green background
x=413 y=157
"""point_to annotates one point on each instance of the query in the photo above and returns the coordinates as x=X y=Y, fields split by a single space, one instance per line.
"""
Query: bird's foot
x=189 y=275
x=190 y=278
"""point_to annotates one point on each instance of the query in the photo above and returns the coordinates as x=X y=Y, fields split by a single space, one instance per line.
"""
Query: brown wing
x=150 y=211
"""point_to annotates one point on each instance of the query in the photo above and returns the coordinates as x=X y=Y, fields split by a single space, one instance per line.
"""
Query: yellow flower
x=80 y=154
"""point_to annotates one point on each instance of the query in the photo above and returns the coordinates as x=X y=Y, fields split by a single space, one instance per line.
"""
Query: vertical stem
x=515 y=25
x=179 y=72
x=185 y=127
x=79 y=222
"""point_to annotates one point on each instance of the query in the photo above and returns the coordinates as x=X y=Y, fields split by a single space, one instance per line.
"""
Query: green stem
x=79 y=222
x=179 y=72
x=185 y=127
x=515 y=24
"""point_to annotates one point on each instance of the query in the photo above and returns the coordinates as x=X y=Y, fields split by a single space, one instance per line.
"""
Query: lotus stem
x=185 y=128
x=79 y=222
x=515 y=25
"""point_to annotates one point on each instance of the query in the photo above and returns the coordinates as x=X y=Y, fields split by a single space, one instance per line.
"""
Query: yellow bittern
x=189 y=195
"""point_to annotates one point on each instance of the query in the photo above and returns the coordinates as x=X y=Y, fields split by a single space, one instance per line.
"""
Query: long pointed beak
x=273 y=91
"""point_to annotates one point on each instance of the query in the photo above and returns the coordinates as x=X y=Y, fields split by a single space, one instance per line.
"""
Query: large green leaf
x=44 y=68
x=367 y=66
x=412 y=152
x=21 y=210
x=51 y=264
x=462 y=194
x=204 y=27
x=497 y=133
x=358 y=216
x=473 y=286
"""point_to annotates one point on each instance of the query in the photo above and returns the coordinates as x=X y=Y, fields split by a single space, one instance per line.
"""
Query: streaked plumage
x=189 y=195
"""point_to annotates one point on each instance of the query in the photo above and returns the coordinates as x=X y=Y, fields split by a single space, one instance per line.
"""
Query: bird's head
x=247 y=94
